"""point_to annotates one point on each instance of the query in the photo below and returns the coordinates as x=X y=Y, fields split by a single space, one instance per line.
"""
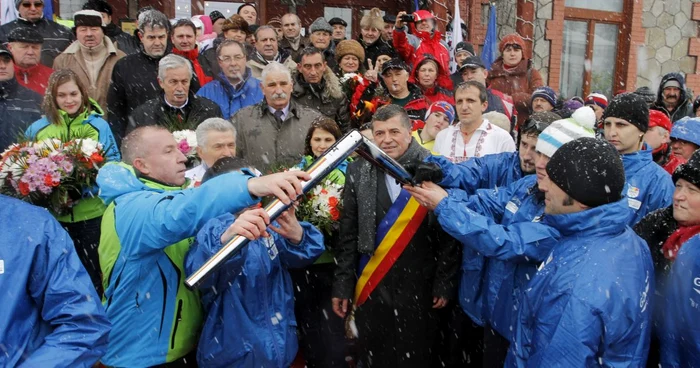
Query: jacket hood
x=672 y=76
x=611 y=218
x=117 y=178
x=332 y=90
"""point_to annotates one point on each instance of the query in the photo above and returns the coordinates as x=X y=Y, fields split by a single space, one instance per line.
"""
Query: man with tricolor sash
x=394 y=261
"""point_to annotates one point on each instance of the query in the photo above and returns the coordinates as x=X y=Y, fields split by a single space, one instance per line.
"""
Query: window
x=590 y=47
x=342 y=13
x=226 y=8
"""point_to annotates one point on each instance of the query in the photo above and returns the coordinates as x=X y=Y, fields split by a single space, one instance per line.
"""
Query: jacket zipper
x=269 y=322
x=178 y=318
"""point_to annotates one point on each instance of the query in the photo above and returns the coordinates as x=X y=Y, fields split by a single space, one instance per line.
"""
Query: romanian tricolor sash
x=394 y=233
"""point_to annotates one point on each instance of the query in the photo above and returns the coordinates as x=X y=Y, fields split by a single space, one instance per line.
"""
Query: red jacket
x=35 y=78
x=666 y=159
x=428 y=44
x=442 y=91
x=192 y=56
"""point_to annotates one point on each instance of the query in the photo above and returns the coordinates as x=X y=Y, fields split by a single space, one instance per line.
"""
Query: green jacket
x=88 y=124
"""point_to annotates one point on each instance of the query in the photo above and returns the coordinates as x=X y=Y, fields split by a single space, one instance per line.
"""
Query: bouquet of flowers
x=321 y=207
x=50 y=173
x=187 y=144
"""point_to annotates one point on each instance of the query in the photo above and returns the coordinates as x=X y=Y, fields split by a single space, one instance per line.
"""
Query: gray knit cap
x=320 y=24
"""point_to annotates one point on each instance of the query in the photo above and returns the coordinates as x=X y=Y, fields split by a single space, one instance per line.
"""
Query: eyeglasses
x=229 y=59
x=29 y=5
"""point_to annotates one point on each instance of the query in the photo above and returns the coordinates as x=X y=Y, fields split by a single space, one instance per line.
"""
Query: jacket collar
x=264 y=108
x=189 y=55
x=75 y=47
x=607 y=219
x=634 y=162
x=8 y=87
x=229 y=88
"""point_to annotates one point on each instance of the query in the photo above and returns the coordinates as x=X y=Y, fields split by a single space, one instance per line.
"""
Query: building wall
x=669 y=27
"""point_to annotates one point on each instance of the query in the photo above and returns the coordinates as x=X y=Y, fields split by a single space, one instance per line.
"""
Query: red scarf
x=675 y=241
x=661 y=149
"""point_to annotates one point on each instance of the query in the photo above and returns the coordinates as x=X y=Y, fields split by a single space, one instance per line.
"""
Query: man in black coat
x=135 y=77
x=31 y=14
x=177 y=108
x=19 y=106
x=397 y=317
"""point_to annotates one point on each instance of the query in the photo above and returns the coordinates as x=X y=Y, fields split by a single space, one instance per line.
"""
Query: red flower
x=47 y=180
x=96 y=158
x=23 y=188
x=333 y=202
x=335 y=214
x=324 y=191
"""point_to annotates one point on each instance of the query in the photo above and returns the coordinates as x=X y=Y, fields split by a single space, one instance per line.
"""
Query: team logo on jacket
x=2 y=266
x=696 y=284
x=271 y=247
x=632 y=192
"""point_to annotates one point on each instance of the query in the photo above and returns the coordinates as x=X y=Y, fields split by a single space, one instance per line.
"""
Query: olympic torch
x=320 y=168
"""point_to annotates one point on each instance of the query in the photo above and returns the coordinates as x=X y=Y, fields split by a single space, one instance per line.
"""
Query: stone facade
x=669 y=27
x=540 y=50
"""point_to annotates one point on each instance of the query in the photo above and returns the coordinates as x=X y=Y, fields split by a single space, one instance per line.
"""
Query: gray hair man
x=25 y=46
x=216 y=138
x=92 y=57
x=135 y=77
x=273 y=131
x=177 y=108
x=292 y=40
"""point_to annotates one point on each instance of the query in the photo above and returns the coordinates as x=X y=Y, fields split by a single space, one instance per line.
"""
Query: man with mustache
x=235 y=87
x=92 y=57
x=672 y=99
x=317 y=87
x=177 y=108
x=135 y=77
x=273 y=132
x=267 y=50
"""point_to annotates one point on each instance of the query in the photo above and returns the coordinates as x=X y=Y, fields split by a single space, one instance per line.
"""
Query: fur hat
x=630 y=107
x=87 y=18
x=216 y=15
x=373 y=19
x=349 y=47
x=589 y=170
x=580 y=124
x=98 y=5
x=235 y=22
x=320 y=24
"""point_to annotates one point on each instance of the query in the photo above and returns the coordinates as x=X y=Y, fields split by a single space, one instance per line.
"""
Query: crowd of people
x=537 y=230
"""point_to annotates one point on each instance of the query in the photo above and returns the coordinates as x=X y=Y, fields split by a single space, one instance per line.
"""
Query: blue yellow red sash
x=394 y=233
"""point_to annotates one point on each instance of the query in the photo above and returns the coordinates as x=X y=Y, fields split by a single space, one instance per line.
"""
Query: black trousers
x=460 y=341
x=322 y=332
x=86 y=237
x=495 y=348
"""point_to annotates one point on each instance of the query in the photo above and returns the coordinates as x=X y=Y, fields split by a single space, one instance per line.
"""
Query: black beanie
x=589 y=170
x=630 y=107
x=690 y=171
x=98 y=5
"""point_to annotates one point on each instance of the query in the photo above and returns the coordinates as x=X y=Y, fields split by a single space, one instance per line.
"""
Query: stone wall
x=669 y=28
x=540 y=49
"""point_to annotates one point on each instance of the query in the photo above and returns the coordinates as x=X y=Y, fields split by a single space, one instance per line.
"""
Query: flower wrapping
x=51 y=173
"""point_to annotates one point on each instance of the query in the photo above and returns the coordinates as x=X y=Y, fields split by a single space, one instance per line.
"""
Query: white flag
x=9 y=12
x=456 y=36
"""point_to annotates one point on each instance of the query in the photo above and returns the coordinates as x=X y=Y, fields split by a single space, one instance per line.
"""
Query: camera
x=408 y=18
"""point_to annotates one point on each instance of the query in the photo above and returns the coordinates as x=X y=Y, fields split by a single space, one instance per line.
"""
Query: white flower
x=88 y=146
x=189 y=135
x=347 y=76
x=52 y=144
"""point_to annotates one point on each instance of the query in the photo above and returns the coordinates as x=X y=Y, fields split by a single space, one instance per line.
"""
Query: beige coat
x=72 y=58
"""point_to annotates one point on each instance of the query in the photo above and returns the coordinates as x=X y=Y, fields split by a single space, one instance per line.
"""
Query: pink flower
x=184 y=147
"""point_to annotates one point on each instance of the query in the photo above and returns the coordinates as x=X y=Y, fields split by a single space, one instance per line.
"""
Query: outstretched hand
x=285 y=185
x=428 y=194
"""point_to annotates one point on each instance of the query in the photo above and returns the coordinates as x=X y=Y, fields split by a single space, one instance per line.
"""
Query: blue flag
x=415 y=3
x=489 y=53
x=48 y=9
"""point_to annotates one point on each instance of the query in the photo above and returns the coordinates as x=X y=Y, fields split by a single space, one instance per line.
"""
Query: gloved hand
x=425 y=171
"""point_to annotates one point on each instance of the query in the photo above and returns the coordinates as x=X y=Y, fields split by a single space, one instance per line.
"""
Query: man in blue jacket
x=249 y=303
x=588 y=304
x=234 y=88
x=503 y=240
x=51 y=314
x=649 y=187
x=146 y=232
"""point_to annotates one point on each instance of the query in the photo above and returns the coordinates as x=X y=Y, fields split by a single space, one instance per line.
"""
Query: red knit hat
x=511 y=39
x=658 y=118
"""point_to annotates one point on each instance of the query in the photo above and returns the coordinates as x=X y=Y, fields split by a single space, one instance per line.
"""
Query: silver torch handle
x=318 y=170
